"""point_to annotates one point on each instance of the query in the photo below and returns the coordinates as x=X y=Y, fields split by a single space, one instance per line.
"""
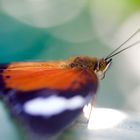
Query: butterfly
x=46 y=97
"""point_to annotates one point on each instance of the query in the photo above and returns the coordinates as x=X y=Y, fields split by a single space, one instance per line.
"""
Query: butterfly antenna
x=112 y=53
x=130 y=46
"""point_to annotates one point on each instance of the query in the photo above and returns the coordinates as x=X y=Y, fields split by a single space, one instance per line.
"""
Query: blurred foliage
x=135 y=4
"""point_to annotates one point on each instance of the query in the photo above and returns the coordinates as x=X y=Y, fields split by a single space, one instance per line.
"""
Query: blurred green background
x=42 y=30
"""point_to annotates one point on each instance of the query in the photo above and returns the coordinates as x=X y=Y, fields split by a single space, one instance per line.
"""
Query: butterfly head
x=102 y=66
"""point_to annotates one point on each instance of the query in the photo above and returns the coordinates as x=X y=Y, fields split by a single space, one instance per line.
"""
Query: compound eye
x=102 y=66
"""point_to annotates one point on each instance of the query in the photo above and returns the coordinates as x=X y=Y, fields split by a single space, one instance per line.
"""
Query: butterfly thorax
x=84 y=63
x=94 y=65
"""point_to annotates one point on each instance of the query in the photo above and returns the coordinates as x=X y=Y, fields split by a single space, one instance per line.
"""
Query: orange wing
x=39 y=75
x=24 y=83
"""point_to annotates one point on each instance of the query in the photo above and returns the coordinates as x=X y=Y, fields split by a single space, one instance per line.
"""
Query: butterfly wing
x=46 y=97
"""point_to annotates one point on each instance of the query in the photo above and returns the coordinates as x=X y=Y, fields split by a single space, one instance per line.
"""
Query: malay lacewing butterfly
x=46 y=97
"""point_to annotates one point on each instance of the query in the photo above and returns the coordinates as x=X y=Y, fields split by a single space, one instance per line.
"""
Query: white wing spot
x=53 y=105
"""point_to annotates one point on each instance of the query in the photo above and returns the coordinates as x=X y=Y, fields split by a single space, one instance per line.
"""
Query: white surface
x=127 y=129
x=120 y=126
x=110 y=124
x=103 y=118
